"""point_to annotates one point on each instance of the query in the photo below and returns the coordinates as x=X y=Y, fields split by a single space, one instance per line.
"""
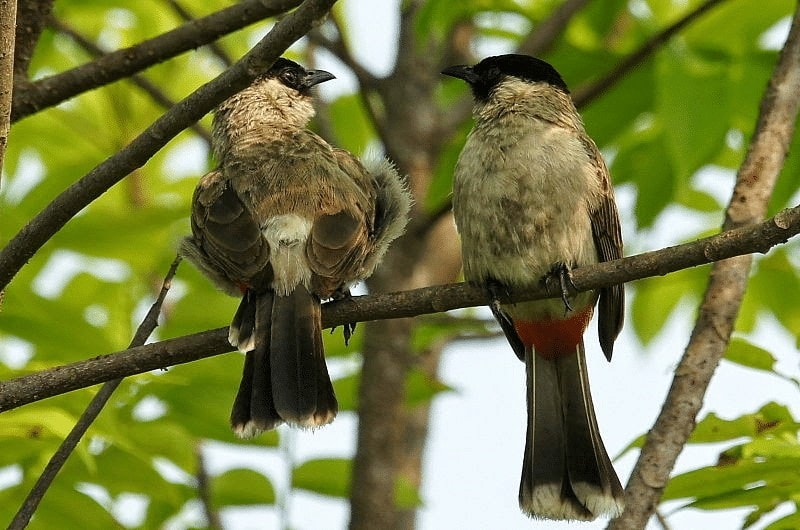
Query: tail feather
x=285 y=378
x=566 y=471
x=293 y=348
x=240 y=334
x=253 y=408
x=326 y=404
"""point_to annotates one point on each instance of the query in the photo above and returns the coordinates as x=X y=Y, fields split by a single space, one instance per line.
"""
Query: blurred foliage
x=690 y=106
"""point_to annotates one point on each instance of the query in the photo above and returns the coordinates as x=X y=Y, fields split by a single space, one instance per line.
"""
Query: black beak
x=462 y=71
x=315 y=77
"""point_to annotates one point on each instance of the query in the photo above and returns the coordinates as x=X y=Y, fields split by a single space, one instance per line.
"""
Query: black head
x=295 y=76
x=488 y=73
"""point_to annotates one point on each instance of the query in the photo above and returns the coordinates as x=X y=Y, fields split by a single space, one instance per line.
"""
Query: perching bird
x=286 y=221
x=532 y=198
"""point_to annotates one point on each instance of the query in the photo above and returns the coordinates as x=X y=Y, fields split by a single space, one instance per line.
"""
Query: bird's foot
x=561 y=273
x=495 y=288
x=343 y=293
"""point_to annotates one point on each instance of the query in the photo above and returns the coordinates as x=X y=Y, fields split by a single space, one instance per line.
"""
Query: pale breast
x=521 y=200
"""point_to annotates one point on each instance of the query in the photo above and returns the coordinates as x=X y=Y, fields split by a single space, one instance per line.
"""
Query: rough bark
x=32 y=17
x=8 y=17
x=427 y=300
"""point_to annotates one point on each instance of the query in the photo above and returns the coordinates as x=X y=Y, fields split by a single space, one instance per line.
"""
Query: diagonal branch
x=726 y=288
x=213 y=46
x=47 y=383
x=585 y=95
x=368 y=83
x=56 y=214
x=139 y=80
x=55 y=89
x=57 y=461
x=545 y=35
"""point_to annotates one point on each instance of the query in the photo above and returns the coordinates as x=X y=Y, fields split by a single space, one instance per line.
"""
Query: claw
x=343 y=293
x=564 y=274
x=493 y=288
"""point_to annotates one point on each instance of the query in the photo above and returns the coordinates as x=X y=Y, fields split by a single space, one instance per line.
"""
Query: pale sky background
x=474 y=453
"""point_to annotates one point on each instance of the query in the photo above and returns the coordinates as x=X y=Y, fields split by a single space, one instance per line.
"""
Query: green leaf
x=30 y=424
x=67 y=508
x=789 y=522
x=655 y=183
x=745 y=353
x=777 y=283
x=326 y=476
x=351 y=125
x=406 y=495
x=739 y=18
x=695 y=121
x=421 y=388
x=771 y=419
x=237 y=487
x=346 y=389
x=742 y=476
x=441 y=188
x=655 y=299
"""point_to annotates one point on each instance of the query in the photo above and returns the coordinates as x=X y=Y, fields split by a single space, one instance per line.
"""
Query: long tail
x=566 y=472
x=285 y=378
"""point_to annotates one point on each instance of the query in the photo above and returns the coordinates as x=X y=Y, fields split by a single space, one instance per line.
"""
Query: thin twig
x=213 y=520
x=585 y=95
x=542 y=38
x=369 y=85
x=57 y=461
x=155 y=93
x=80 y=194
x=727 y=284
x=55 y=89
x=53 y=381
x=213 y=46
x=662 y=520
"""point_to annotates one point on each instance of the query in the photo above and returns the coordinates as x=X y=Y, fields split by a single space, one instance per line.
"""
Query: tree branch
x=8 y=17
x=585 y=95
x=204 y=491
x=728 y=280
x=56 y=214
x=544 y=35
x=47 y=383
x=57 y=461
x=31 y=18
x=214 y=46
x=155 y=93
x=368 y=83
x=55 y=89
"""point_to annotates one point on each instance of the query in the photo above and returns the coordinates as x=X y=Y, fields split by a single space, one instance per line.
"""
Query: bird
x=286 y=221
x=532 y=199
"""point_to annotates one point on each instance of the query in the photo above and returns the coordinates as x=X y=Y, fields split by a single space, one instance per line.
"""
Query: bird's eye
x=289 y=77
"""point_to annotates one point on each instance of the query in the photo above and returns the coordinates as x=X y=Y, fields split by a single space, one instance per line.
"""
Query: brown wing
x=608 y=240
x=340 y=236
x=226 y=233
